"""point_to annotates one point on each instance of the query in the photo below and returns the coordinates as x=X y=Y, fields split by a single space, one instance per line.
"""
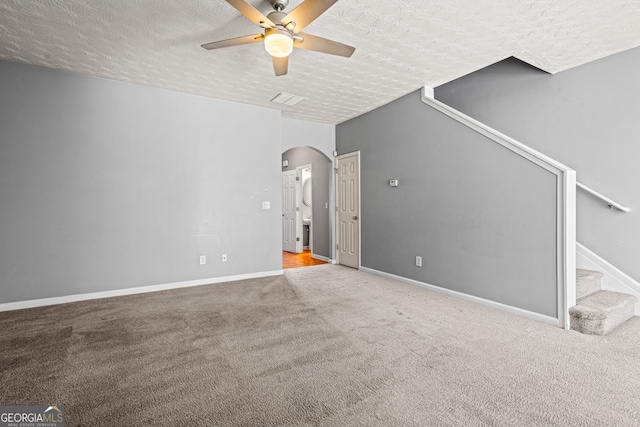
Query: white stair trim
x=613 y=278
x=20 y=305
x=493 y=304
x=509 y=143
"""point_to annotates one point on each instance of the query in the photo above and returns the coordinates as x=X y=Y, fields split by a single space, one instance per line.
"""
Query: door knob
x=355 y=217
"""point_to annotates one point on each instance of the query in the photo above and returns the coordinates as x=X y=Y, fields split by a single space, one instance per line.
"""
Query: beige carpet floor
x=323 y=345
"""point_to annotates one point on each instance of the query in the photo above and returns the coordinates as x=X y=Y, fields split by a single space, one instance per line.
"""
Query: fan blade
x=280 y=65
x=320 y=44
x=252 y=14
x=234 y=42
x=306 y=13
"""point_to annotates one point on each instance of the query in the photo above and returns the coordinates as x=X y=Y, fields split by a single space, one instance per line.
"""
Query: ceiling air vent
x=287 y=99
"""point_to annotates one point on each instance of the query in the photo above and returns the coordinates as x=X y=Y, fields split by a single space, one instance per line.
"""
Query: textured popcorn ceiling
x=401 y=45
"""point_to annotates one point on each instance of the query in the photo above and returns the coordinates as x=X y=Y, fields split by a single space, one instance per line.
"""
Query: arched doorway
x=307 y=175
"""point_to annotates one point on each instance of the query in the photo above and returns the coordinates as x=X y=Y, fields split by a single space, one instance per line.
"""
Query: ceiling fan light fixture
x=278 y=42
x=283 y=31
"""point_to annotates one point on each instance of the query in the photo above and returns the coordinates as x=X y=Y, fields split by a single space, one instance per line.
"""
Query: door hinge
x=297 y=209
x=337 y=247
x=297 y=178
x=297 y=239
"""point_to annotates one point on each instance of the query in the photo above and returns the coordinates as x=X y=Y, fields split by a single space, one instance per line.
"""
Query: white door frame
x=337 y=205
x=299 y=242
x=301 y=234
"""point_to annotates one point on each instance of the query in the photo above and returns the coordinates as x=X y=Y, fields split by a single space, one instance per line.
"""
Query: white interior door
x=291 y=232
x=348 y=206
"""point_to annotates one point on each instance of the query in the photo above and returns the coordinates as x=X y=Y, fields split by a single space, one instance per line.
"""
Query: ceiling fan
x=283 y=32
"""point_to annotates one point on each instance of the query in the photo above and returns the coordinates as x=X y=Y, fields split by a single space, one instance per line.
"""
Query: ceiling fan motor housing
x=276 y=17
x=278 y=4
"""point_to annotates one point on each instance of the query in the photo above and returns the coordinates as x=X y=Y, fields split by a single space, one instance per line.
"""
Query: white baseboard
x=320 y=257
x=324 y=258
x=19 y=305
x=509 y=309
x=614 y=279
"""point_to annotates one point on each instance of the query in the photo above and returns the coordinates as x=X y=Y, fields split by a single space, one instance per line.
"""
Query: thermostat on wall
x=393 y=183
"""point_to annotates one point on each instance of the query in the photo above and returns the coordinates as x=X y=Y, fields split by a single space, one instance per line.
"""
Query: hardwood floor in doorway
x=304 y=259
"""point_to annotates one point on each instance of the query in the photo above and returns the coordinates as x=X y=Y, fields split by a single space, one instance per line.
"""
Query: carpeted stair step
x=587 y=282
x=601 y=312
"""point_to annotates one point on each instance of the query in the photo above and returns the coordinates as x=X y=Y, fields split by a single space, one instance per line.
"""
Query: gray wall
x=107 y=185
x=482 y=218
x=320 y=193
x=585 y=117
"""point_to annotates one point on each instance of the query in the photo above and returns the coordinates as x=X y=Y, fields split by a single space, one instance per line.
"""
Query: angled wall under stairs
x=584 y=125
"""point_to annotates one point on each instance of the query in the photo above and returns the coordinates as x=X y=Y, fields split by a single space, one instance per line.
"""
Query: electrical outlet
x=419 y=261
x=266 y=205
x=224 y=257
x=203 y=259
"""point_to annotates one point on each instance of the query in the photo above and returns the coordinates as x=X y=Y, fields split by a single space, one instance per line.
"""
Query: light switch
x=266 y=205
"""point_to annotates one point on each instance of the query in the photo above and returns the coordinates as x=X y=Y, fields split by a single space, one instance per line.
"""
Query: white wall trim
x=566 y=235
x=566 y=202
x=20 y=305
x=320 y=257
x=428 y=91
x=614 y=279
x=491 y=133
x=493 y=304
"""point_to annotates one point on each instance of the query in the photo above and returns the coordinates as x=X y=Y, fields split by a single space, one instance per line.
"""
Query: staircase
x=598 y=312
